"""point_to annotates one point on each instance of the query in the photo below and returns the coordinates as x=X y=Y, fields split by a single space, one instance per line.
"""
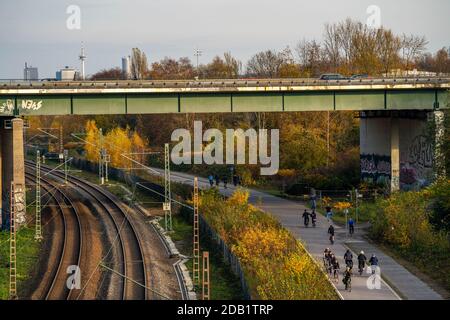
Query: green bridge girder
x=84 y=101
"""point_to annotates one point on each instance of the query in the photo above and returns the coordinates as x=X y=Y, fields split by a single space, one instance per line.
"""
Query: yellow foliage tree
x=117 y=144
x=92 y=137
x=341 y=206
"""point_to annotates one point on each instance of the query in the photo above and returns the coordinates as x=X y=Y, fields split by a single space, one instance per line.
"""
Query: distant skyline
x=35 y=31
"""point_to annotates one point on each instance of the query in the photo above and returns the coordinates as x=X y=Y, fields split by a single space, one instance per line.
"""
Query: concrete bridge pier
x=398 y=148
x=12 y=169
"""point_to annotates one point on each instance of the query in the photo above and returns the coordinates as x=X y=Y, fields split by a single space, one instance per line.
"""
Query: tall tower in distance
x=126 y=67
x=82 y=58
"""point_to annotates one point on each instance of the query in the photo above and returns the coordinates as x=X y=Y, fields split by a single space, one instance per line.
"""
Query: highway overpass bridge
x=264 y=95
x=396 y=146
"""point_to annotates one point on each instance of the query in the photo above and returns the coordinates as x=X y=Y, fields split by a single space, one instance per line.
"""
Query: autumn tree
x=108 y=74
x=92 y=141
x=439 y=62
x=139 y=64
x=331 y=44
x=265 y=64
x=388 y=47
x=171 y=69
x=121 y=144
x=310 y=57
x=219 y=68
x=412 y=48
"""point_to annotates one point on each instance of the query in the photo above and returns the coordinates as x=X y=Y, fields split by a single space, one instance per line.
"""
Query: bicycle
x=349 y=263
x=348 y=286
x=351 y=231
x=325 y=264
x=332 y=239
x=336 y=274
x=361 y=267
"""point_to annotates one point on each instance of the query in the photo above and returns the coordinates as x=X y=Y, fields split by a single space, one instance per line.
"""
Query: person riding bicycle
x=361 y=261
x=336 y=268
x=347 y=277
x=327 y=253
x=348 y=258
x=351 y=226
x=331 y=233
x=313 y=217
x=373 y=263
x=306 y=217
x=333 y=262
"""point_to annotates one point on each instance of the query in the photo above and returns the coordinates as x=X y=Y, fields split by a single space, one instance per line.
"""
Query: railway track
x=69 y=251
x=133 y=265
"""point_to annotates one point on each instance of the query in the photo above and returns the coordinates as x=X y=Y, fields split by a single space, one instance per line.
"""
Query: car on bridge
x=332 y=76
x=359 y=76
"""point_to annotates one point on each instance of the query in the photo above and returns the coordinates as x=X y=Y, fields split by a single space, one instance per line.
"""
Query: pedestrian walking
x=216 y=177
x=225 y=182
x=211 y=180
x=329 y=214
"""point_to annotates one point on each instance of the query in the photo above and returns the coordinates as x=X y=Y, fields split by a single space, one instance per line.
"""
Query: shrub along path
x=316 y=240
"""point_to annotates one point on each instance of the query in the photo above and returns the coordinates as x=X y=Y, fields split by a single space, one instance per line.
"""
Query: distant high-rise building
x=30 y=73
x=126 y=67
x=82 y=58
x=66 y=74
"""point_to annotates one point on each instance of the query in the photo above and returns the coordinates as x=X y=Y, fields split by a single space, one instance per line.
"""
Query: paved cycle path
x=316 y=240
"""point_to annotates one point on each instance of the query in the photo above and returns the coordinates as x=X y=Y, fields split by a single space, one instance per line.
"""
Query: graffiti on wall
x=421 y=152
x=416 y=168
x=375 y=168
x=19 y=203
x=7 y=107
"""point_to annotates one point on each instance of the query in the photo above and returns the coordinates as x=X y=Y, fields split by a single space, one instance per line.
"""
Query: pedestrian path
x=408 y=284
x=315 y=240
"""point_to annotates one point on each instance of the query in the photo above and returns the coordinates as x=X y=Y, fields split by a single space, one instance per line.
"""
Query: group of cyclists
x=330 y=261
x=332 y=266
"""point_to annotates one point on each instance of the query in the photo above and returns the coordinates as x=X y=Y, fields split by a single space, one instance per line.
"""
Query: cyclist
x=336 y=267
x=361 y=262
x=313 y=218
x=306 y=218
x=347 y=279
x=351 y=226
x=331 y=233
x=325 y=258
x=348 y=258
x=331 y=263
x=373 y=263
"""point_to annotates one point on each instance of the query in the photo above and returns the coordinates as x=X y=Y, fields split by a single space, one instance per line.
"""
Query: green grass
x=27 y=256
x=27 y=253
x=224 y=284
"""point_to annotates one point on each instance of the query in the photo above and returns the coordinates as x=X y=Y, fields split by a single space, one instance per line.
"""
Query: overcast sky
x=36 y=32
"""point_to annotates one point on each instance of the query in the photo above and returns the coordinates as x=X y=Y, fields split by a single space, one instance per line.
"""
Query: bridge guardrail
x=209 y=83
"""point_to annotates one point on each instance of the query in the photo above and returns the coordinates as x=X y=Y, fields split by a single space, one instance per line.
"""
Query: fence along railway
x=133 y=265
